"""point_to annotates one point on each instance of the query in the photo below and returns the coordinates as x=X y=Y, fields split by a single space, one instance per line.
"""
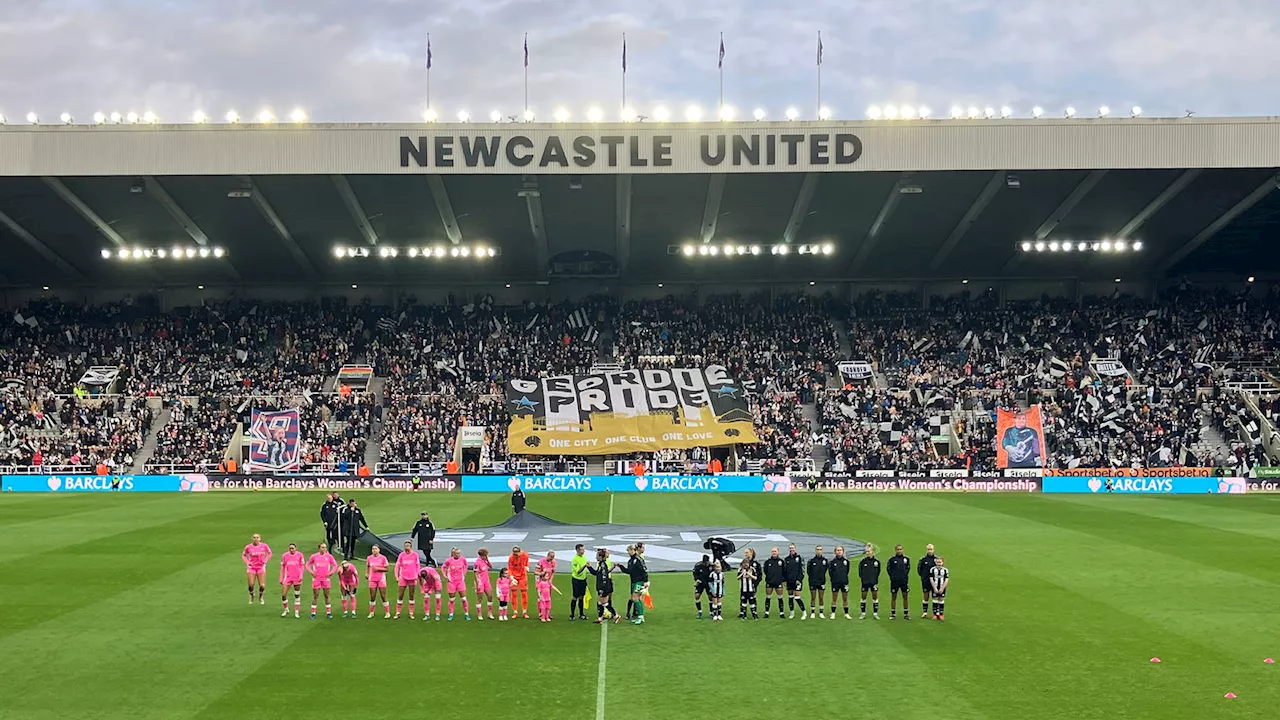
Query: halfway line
x=604 y=647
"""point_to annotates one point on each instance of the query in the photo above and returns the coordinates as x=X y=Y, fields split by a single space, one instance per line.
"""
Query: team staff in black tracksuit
x=925 y=566
x=701 y=575
x=518 y=501
x=817 y=570
x=869 y=574
x=424 y=533
x=329 y=516
x=899 y=567
x=839 y=572
x=774 y=579
x=352 y=522
x=793 y=570
x=749 y=575
x=603 y=571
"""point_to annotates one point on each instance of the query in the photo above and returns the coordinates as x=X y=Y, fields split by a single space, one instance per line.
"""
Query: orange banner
x=1021 y=438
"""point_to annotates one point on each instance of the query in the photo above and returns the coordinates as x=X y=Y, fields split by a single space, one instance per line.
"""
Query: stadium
x=809 y=331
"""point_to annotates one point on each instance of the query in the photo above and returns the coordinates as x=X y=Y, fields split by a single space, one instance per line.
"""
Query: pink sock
x=399 y=606
x=313 y=608
x=386 y=606
x=450 y=606
x=466 y=606
x=373 y=606
x=328 y=608
x=284 y=602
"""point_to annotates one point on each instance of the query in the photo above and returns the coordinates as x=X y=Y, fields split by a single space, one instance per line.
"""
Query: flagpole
x=819 y=71
x=526 y=75
x=624 y=70
x=428 y=71
x=721 y=75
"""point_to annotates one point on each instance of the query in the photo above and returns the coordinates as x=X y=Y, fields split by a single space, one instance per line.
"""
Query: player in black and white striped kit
x=939 y=578
x=749 y=574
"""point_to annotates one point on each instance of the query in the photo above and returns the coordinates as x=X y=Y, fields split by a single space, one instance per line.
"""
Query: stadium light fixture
x=1137 y=246
x=150 y=118
x=595 y=114
x=354 y=286
x=783 y=249
x=122 y=254
x=890 y=112
x=300 y=116
x=824 y=113
x=528 y=115
x=1068 y=246
x=907 y=112
x=713 y=250
x=688 y=250
x=131 y=118
x=137 y=253
x=339 y=251
x=464 y=116
x=828 y=248
x=199 y=287
x=693 y=113
x=727 y=113
x=189 y=252
x=792 y=113
x=661 y=114
x=1082 y=246
x=1250 y=279
x=628 y=114
x=1070 y=112
x=204 y=252
x=413 y=252
x=755 y=249
x=177 y=253
x=1135 y=111
x=1026 y=246
x=3 y=119
x=439 y=252
x=560 y=115
x=1006 y=112
x=265 y=117
x=957 y=112
x=453 y=252
x=1121 y=246
x=989 y=113
x=964 y=282
x=429 y=115
x=464 y=251
x=702 y=250
x=973 y=113
x=66 y=118
x=233 y=117
x=758 y=113
x=491 y=252
x=1104 y=111
x=1117 y=279
x=924 y=112
x=1036 y=112
x=116 y=118
x=162 y=253
x=1039 y=247
x=106 y=254
x=494 y=116
x=198 y=117
x=1106 y=246
x=874 y=112
x=33 y=118
x=659 y=284
x=1054 y=246
x=99 y=118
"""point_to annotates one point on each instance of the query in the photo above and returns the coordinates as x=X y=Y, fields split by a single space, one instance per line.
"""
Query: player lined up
x=784 y=576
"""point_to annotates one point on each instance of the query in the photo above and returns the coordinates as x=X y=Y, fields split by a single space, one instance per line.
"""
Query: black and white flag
x=386 y=324
x=590 y=335
x=578 y=319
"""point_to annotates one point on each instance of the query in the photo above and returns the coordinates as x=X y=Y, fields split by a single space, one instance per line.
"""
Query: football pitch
x=133 y=606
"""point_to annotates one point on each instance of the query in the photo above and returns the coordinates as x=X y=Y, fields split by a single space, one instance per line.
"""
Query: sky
x=365 y=60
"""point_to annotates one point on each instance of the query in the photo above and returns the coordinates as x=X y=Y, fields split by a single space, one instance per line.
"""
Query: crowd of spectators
x=956 y=359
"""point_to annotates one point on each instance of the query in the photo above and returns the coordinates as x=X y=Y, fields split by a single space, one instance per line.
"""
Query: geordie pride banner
x=628 y=411
x=1021 y=438
x=274 y=441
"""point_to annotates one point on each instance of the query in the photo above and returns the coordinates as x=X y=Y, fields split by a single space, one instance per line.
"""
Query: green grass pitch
x=133 y=606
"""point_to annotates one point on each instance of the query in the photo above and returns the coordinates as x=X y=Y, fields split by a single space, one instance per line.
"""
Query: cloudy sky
x=364 y=60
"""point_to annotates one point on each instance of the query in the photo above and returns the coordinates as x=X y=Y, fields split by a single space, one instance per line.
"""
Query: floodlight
x=628 y=114
x=66 y=118
x=713 y=250
x=973 y=112
x=907 y=112
x=560 y=115
x=464 y=251
x=925 y=112
x=413 y=252
x=115 y=118
x=758 y=113
x=106 y=254
x=122 y=254
x=199 y=117
x=300 y=116
x=265 y=117
x=33 y=118
x=792 y=113
x=528 y=115
x=177 y=253
x=440 y=252
x=594 y=114
x=1104 y=111
x=384 y=252
x=824 y=113
x=1053 y=246
x=1069 y=112
x=137 y=253
x=453 y=252
x=989 y=113
x=464 y=116
x=1026 y=246
x=190 y=252
x=755 y=249
x=957 y=112
x=494 y=116
x=693 y=113
x=688 y=250
x=162 y=253
x=890 y=112
x=1120 y=246
x=661 y=114
x=1037 y=111
x=1135 y=111
x=339 y=251
x=783 y=249
x=874 y=113
x=727 y=113
x=1006 y=112
x=204 y=252
x=1106 y=246
x=149 y=118
x=233 y=116
x=1137 y=245
x=702 y=250
x=428 y=115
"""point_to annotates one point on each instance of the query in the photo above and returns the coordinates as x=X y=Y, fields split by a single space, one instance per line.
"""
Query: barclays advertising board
x=104 y=483
x=1144 y=485
x=626 y=483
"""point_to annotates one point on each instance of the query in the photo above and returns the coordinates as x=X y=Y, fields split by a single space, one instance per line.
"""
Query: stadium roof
x=911 y=200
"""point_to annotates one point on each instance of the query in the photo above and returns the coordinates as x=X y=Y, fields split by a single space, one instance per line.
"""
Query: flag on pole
x=526 y=49
x=819 y=47
x=624 y=52
x=428 y=51
x=721 y=51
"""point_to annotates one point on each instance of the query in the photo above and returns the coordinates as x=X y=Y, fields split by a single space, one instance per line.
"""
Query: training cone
x=1155 y=660
x=1269 y=661
x=1230 y=696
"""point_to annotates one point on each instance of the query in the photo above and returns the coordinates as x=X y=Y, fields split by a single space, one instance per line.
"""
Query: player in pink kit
x=455 y=578
x=543 y=585
x=407 y=568
x=292 y=565
x=484 y=588
x=504 y=593
x=547 y=566
x=322 y=566
x=376 y=575
x=430 y=584
x=255 y=556
x=348 y=583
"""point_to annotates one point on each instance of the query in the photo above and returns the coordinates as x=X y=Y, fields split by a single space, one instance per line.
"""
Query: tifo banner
x=1146 y=485
x=855 y=371
x=1107 y=367
x=104 y=483
x=274 y=441
x=628 y=411
x=626 y=483
x=1132 y=472
x=855 y=483
x=403 y=483
x=668 y=548
x=1021 y=438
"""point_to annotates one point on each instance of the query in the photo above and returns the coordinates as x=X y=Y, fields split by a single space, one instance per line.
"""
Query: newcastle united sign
x=662 y=150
